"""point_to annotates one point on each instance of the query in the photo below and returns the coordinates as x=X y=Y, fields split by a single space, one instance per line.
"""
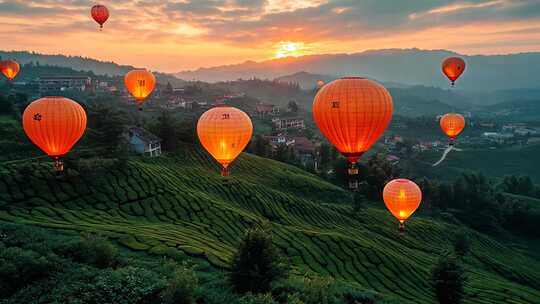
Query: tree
x=6 y=106
x=106 y=126
x=448 y=278
x=324 y=153
x=257 y=263
x=166 y=129
x=169 y=89
x=261 y=146
x=292 y=106
x=359 y=202
x=461 y=243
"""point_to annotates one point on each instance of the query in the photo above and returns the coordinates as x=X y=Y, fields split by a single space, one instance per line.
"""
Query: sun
x=289 y=48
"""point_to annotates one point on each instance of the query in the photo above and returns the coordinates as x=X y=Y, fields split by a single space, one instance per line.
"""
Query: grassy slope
x=183 y=203
x=493 y=163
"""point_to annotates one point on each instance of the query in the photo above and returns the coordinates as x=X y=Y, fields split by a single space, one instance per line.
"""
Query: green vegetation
x=257 y=264
x=496 y=163
x=180 y=203
x=448 y=280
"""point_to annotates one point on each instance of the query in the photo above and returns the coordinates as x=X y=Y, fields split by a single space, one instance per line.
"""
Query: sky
x=172 y=36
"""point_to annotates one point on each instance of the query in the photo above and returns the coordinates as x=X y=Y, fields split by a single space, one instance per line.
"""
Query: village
x=288 y=127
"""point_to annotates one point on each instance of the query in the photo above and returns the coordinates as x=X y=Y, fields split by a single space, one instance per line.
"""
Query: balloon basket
x=401 y=228
x=225 y=172
x=58 y=166
x=353 y=184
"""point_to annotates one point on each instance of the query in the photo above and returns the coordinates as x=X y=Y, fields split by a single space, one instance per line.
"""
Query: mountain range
x=402 y=66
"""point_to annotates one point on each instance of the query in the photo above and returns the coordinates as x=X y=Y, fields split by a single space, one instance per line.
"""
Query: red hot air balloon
x=100 y=13
x=453 y=67
x=10 y=69
x=352 y=113
x=54 y=124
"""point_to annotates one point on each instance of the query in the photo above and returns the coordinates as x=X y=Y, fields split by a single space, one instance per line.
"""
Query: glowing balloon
x=100 y=13
x=453 y=67
x=9 y=68
x=54 y=124
x=402 y=197
x=452 y=124
x=140 y=83
x=352 y=113
x=224 y=132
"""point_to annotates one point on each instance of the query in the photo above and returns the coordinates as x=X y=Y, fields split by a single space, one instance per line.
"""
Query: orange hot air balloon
x=100 y=13
x=452 y=124
x=453 y=67
x=352 y=113
x=54 y=124
x=402 y=197
x=140 y=83
x=224 y=132
x=10 y=68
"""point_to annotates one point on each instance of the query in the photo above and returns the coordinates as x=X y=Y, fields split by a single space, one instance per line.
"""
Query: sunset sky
x=176 y=35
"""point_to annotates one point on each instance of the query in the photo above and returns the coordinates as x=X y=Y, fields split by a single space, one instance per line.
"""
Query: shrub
x=461 y=243
x=19 y=267
x=91 y=249
x=257 y=263
x=448 y=279
x=256 y=299
x=181 y=287
x=125 y=286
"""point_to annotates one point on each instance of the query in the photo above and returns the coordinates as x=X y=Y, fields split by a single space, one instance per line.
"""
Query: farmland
x=180 y=201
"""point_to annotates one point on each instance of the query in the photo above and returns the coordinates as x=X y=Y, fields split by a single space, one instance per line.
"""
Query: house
x=280 y=139
x=304 y=149
x=264 y=109
x=288 y=123
x=51 y=84
x=143 y=142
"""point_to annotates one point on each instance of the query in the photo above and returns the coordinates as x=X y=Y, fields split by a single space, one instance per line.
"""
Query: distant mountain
x=403 y=66
x=78 y=63
x=74 y=62
x=516 y=109
x=305 y=80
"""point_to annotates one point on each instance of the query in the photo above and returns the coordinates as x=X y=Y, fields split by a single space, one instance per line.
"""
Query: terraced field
x=181 y=201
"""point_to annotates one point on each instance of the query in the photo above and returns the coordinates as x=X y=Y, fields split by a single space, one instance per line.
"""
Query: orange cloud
x=176 y=35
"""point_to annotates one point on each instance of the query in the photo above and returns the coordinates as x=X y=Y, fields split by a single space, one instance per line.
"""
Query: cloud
x=258 y=26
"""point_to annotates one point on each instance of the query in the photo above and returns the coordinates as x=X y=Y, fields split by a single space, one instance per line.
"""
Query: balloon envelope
x=140 y=84
x=224 y=131
x=402 y=197
x=9 y=68
x=352 y=113
x=453 y=67
x=452 y=124
x=54 y=124
x=100 y=13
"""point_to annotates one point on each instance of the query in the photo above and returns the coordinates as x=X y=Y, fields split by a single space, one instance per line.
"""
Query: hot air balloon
x=140 y=83
x=452 y=124
x=224 y=131
x=320 y=84
x=10 y=68
x=54 y=124
x=453 y=67
x=352 y=113
x=402 y=197
x=100 y=13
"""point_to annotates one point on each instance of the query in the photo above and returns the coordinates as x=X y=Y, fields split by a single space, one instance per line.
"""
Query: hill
x=404 y=66
x=181 y=202
x=47 y=65
x=307 y=81
x=495 y=163
x=525 y=109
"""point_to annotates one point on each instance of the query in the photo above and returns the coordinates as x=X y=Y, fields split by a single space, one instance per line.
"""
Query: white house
x=143 y=142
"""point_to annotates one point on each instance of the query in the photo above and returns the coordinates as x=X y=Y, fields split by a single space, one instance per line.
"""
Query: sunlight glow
x=290 y=49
